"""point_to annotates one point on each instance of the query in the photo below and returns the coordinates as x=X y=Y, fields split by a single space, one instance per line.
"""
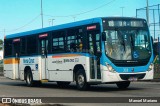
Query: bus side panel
x=61 y=66
x=31 y=62
x=8 y=71
x=88 y=69
x=9 y=67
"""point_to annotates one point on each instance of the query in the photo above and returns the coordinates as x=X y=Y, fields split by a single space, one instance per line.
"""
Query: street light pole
x=147 y=13
x=42 y=13
x=122 y=10
x=74 y=18
x=51 y=20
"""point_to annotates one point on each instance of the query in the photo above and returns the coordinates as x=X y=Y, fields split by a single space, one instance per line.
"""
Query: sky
x=24 y=15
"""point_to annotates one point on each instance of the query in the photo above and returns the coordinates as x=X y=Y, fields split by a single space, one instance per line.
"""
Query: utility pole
x=52 y=21
x=122 y=10
x=147 y=12
x=42 y=12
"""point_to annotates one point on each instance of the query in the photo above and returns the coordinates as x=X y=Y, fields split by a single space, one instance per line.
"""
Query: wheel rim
x=81 y=80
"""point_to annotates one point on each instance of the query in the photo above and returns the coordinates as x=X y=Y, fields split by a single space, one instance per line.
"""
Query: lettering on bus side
x=68 y=60
x=29 y=60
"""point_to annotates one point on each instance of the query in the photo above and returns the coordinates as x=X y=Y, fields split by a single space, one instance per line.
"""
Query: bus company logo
x=29 y=60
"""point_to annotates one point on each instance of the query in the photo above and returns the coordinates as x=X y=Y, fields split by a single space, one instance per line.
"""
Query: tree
x=1 y=44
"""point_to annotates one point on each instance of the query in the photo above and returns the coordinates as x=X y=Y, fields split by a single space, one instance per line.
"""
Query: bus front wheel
x=123 y=85
x=29 y=79
x=81 y=82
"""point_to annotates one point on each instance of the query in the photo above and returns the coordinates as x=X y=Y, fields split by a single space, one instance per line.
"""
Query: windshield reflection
x=127 y=44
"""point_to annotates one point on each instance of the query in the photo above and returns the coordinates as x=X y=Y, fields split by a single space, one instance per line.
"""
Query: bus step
x=44 y=80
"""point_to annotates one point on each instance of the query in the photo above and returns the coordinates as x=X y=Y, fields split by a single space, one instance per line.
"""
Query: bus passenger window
x=71 y=42
x=23 y=46
x=8 y=48
x=58 y=42
x=32 y=45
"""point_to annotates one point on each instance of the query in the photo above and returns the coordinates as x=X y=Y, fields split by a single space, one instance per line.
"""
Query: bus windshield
x=122 y=44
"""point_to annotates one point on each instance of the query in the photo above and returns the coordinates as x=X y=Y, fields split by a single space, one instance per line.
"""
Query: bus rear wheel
x=81 y=82
x=123 y=85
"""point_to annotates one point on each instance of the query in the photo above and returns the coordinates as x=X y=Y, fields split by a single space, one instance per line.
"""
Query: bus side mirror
x=103 y=36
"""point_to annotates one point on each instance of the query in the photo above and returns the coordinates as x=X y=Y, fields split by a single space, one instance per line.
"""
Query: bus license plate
x=132 y=79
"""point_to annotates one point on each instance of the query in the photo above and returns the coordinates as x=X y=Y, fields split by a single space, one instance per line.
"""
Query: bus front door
x=16 y=71
x=94 y=48
x=44 y=51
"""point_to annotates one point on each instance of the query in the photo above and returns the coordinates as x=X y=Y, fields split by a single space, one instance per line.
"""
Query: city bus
x=114 y=50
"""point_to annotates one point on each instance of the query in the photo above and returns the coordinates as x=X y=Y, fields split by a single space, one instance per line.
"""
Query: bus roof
x=57 y=27
x=62 y=26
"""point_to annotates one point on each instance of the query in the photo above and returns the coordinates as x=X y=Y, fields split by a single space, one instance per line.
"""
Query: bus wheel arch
x=76 y=68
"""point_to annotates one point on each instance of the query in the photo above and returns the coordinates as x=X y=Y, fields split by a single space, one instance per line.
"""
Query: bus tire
x=29 y=79
x=123 y=85
x=63 y=84
x=81 y=82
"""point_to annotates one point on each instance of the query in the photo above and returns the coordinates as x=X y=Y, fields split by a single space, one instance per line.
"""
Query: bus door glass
x=16 y=51
x=94 y=49
x=44 y=52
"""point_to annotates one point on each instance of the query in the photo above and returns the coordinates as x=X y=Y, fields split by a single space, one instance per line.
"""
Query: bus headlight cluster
x=150 y=67
x=110 y=68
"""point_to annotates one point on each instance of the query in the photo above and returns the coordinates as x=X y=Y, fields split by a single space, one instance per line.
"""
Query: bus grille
x=127 y=76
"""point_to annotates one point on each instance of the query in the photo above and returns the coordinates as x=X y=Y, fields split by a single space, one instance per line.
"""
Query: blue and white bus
x=114 y=50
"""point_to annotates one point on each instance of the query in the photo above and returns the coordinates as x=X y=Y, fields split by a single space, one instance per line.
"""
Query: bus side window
x=91 y=44
x=8 y=48
x=58 y=42
x=71 y=40
x=32 y=47
x=23 y=46
x=98 y=42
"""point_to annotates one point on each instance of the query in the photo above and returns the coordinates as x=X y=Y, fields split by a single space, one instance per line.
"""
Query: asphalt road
x=15 y=88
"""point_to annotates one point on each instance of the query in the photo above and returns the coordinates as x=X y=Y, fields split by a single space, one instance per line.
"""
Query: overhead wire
x=81 y=13
x=24 y=24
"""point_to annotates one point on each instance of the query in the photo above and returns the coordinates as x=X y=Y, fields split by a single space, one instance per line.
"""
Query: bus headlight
x=150 y=67
x=110 y=68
